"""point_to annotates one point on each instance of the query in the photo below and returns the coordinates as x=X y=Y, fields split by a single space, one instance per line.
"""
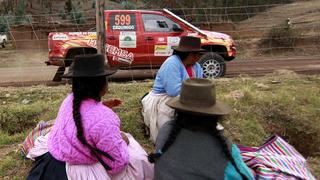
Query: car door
x=122 y=37
x=159 y=37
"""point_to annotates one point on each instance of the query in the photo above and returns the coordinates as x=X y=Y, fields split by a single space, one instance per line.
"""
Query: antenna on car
x=185 y=22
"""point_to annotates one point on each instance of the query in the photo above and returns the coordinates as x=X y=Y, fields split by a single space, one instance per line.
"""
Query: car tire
x=213 y=65
x=61 y=70
x=4 y=43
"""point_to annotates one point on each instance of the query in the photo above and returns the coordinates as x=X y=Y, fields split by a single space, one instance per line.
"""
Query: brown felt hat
x=198 y=96
x=92 y=65
x=189 y=44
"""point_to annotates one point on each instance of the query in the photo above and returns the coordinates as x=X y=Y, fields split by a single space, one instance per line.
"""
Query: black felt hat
x=198 y=96
x=92 y=65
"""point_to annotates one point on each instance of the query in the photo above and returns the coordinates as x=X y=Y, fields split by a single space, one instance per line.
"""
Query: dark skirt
x=48 y=168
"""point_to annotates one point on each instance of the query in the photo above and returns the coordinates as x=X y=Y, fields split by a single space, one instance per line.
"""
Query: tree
x=3 y=25
x=76 y=16
x=20 y=10
x=68 y=6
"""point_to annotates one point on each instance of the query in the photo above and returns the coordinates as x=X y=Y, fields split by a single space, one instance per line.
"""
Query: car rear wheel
x=213 y=65
x=4 y=43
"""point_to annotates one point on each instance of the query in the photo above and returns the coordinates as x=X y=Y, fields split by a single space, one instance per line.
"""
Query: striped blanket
x=276 y=159
x=42 y=128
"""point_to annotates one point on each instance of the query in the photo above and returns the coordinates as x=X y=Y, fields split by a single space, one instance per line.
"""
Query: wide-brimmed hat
x=198 y=96
x=92 y=65
x=189 y=44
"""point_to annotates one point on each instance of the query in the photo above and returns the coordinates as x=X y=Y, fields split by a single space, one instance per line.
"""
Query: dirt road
x=44 y=74
x=261 y=67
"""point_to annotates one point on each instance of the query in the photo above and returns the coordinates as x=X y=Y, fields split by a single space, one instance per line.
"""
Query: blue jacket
x=171 y=75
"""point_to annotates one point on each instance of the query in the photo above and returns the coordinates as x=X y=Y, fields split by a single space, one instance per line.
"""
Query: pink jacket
x=101 y=128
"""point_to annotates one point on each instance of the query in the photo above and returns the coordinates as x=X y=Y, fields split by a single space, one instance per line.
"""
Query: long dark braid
x=171 y=138
x=82 y=89
x=207 y=124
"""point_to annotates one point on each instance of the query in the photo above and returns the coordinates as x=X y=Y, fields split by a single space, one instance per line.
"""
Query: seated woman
x=178 y=67
x=191 y=147
x=85 y=141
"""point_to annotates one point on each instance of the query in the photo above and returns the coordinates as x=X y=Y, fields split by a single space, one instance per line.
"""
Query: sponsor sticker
x=161 y=50
x=82 y=33
x=120 y=55
x=161 y=40
x=123 y=22
x=60 y=37
x=193 y=34
x=92 y=42
x=122 y=60
x=130 y=27
x=173 y=41
x=128 y=39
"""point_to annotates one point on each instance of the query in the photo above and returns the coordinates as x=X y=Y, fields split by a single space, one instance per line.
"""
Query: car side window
x=157 y=23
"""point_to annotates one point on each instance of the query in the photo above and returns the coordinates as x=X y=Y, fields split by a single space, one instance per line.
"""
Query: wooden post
x=103 y=26
x=100 y=26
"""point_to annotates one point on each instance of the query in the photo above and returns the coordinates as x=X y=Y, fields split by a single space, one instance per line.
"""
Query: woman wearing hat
x=190 y=147
x=85 y=141
x=178 y=67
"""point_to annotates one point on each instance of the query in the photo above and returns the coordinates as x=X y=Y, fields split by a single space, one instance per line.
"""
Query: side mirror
x=176 y=28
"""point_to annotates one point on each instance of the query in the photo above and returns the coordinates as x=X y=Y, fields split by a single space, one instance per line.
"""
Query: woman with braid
x=191 y=147
x=85 y=141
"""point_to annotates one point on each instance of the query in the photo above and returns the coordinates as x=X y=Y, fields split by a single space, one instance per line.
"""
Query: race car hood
x=216 y=35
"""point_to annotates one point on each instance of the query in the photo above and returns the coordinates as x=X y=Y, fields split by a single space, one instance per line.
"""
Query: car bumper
x=58 y=62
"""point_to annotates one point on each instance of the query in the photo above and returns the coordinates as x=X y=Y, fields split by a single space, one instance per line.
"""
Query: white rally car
x=3 y=40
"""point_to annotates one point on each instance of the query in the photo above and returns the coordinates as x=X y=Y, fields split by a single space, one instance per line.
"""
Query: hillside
x=40 y=7
x=302 y=14
x=254 y=36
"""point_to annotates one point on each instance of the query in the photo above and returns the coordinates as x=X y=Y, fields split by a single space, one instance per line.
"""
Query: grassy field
x=282 y=103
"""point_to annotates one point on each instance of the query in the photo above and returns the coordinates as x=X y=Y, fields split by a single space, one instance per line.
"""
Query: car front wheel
x=213 y=65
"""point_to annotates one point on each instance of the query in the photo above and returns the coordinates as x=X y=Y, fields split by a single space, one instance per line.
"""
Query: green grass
x=315 y=165
x=9 y=139
x=282 y=103
x=130 y=110
x=13 y=166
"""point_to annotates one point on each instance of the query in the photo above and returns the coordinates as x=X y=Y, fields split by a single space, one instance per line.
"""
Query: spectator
x=85 y=141
x=178 y=67
x=191 y=147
